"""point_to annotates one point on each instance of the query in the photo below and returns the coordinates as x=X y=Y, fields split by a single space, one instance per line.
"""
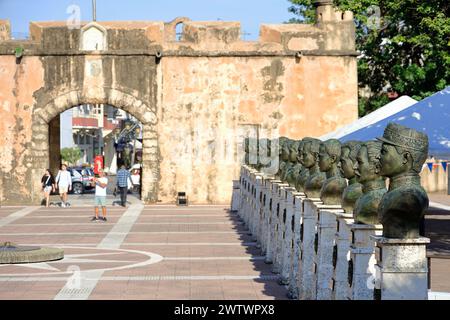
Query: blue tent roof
x=431 y=116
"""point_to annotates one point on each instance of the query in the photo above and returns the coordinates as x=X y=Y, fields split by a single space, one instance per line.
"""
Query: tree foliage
x=71 y=155
x=404 y=45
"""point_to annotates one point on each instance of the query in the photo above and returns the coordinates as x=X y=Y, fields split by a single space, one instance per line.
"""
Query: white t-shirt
x=99 y=191
x=63 y=178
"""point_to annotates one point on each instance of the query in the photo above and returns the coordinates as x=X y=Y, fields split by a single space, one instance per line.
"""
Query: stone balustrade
x=318 y=250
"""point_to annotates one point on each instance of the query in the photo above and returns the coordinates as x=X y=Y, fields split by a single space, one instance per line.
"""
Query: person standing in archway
x=123 y=177
x=64 y=181
x=48 y=184
x=101 y=184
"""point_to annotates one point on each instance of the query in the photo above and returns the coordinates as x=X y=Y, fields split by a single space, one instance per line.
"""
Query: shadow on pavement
x=271 y=286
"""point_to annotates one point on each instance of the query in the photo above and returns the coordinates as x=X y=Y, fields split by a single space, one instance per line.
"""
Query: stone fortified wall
x=197 y=96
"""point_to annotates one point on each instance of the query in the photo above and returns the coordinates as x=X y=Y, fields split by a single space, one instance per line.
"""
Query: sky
x=251 y=13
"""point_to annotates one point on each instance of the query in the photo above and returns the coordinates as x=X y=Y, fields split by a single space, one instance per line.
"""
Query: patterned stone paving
x=151 y=252
x=157 y=252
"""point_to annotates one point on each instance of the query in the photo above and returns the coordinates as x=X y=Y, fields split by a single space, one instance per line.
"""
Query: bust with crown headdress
x=403 y=153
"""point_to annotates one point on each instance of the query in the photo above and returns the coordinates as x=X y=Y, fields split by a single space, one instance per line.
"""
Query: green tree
x=71 y=155
x=404 y=46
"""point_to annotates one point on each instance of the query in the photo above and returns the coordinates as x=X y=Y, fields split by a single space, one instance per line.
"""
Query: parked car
x=82 y=178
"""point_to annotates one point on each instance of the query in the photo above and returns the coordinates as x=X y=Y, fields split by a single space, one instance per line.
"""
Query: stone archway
x=45 y=112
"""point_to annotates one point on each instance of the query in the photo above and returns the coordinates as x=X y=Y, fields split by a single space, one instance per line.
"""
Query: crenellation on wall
x=293 y=36
x=170 y=28
x=326 y=12
x=331 y=34
x=211 y=34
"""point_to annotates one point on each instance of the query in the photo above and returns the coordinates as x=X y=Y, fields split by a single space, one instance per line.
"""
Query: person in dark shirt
x=123 y=180
x=48 y=184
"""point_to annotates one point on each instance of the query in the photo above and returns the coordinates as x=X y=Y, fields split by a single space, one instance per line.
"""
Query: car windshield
x=88 y=172
x=75 y=173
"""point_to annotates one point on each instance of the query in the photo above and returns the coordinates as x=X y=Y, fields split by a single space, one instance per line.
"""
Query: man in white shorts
x=64 y=181
x=101 y=184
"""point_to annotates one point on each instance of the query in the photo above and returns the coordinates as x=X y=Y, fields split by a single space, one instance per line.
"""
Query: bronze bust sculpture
x=329 y=161
x=304 y=172
x=282 y=156
x=264 y=154
x=294 y=171
x=403 y=153
x=285 y=155
x=367 y=170
x=310 y=160
x=349 y=151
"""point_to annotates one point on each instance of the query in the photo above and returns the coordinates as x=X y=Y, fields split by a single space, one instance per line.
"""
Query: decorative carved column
x=296 y=240
x=279 y=228
x=307 y=276
x=326 y=232
x=287 y=243
x=362 y=261
x=341 y=256
x=271 y=232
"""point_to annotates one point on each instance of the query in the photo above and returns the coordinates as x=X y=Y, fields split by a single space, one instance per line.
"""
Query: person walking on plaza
x=64 y=181
x=123 y=177
x=48 y=184
x=101 y=184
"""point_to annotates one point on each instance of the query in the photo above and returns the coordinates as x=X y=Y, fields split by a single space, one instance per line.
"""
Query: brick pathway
x=152 y=252
x=158 y=252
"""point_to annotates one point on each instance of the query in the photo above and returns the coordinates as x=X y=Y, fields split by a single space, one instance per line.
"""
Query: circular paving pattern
x=84 y=259
x=11 y=253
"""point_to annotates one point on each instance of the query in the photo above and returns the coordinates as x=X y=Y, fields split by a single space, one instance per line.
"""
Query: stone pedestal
x=243 y=193
x=249 y=199
x=295 y=253
x=235 y=197
x=242 y=188
x=266 y=213
x=257 y=198
x=273 y=206
x=341 y=256
x=279 y=227
x=307 y=279
x=401 y=269
x=326 y=232
x=362 y=261
x=252 y=204
x=287 y=230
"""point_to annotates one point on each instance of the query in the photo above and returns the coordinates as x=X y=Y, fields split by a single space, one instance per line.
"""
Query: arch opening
x=92 y=137
x=46 y=139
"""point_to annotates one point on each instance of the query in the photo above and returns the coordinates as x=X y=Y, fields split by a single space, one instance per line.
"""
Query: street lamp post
x=94 y=10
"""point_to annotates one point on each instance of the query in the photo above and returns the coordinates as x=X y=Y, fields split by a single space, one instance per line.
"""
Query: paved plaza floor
x=157 y=252
x=151 y=252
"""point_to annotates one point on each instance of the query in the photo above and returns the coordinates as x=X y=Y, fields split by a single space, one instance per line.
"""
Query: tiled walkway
x=151 y=252
x=157 y=252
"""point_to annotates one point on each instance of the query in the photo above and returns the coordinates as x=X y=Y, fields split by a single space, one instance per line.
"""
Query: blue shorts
x=100 y=201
